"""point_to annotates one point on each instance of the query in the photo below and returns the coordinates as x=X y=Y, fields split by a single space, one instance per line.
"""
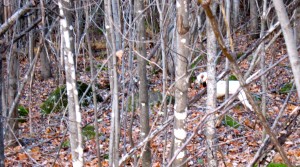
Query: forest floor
x=46 y=142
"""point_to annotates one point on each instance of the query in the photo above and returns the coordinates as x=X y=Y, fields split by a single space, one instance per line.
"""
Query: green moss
x=58 y=99
x=286 y=88
x=103 y=69
x=276 y=165
x=129 y=103
x=240 y=54
x=105 y=156
x=88 y=132
x=88 y=69
x=88 y=99
x=66 y=144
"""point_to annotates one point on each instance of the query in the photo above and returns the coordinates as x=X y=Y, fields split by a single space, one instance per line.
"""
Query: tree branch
x=11 y=21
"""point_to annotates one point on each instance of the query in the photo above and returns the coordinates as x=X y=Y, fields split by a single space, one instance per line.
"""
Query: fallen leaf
x=22 y=156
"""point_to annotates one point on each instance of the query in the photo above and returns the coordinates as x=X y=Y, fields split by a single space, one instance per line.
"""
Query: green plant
x=240 y=54
x=229 y=121
x=66 y=144
x=232 y=78
x=23 y=113
x=286 y=88
x=88 y=132
x=196 y=61
x=276 y=165
x=58 y=99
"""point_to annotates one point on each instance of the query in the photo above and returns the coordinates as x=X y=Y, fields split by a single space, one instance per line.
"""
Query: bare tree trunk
x=109 y=37
x=181 y=79
x=236 y=12
x=143 y=86
x=68 y=51
x=211 y=102
x=12 y=71
x=117 y=23
x=115 y=120
x=253 y=19
x=228 y=36
x=86 y=30
x=262 y=64
x=45 y=59
x=2 y=157
x=289 y=40
x=31 y=56
x=12 y=91
x=161 y=6
x=45 y=64
x=297 y=26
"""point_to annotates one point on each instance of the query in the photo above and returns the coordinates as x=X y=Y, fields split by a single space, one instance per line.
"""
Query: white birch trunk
x=68 y=51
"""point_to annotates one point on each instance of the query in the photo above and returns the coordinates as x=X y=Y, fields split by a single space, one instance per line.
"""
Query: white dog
x=221 y=89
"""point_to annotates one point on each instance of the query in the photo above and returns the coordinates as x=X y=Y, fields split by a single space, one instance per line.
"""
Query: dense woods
x=149 y=83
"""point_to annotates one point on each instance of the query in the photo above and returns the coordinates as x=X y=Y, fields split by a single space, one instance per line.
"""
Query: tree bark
x=2 y=157
x=236 y=12
x=289 y=41
x=115 y=120
x=117 y=23
x=109 y=37
x=45 y=59
x=12 y=91
x=12 y=71
x=68 y=51
x=143 y=86
x=45 y=64
x=181 y=79
x=262 y=65
x=253 y=19
x=297 y=26
x=211 y=102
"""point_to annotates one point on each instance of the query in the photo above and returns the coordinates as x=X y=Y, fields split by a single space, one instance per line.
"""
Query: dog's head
x=202 y=78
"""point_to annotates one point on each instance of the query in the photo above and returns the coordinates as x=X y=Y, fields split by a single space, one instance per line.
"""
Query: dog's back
x=233 y=87
x=221 y=87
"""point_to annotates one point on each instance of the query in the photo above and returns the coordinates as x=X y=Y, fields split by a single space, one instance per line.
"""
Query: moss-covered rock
x=58 y=99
